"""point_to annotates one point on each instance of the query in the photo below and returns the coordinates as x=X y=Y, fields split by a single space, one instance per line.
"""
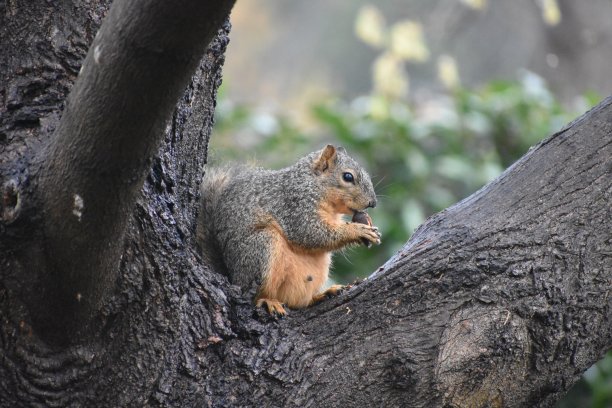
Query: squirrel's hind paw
x=273 y=306
x=332 y=291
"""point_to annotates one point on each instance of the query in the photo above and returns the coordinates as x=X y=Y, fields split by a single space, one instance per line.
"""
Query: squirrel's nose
x=372 y=203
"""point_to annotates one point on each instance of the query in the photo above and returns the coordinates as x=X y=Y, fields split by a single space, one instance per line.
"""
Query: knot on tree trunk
x=10 y=206
x=484 y=354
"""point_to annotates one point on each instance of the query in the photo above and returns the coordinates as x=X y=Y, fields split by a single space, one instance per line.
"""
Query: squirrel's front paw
x=369 y=233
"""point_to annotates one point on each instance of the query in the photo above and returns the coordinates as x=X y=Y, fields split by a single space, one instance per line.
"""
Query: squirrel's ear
x=326 y=160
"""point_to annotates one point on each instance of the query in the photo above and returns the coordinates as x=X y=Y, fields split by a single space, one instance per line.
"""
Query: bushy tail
x=214 y=182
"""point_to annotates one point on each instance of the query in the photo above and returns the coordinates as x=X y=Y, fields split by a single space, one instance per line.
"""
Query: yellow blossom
x=475 y=4
x=407 y=41
x=447 y=71
x=551 y=14
x=370 y=26
x=390 y=77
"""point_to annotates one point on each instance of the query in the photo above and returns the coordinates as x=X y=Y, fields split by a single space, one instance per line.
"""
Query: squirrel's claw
x=273 y=306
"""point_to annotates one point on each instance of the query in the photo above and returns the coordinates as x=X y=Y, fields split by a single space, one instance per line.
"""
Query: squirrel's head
x=346 y=184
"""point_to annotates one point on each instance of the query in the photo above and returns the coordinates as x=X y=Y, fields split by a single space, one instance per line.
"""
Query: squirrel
x=275 y=230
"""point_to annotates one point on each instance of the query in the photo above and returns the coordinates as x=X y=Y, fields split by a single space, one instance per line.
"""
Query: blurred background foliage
x=425 y=150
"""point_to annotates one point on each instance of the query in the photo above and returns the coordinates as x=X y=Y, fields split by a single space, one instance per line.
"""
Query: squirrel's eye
x=348 y=177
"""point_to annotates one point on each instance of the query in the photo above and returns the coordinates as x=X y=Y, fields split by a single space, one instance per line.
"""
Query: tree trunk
x=501 y=300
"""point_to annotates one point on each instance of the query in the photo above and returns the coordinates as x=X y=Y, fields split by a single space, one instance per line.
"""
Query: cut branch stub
x=484 y=354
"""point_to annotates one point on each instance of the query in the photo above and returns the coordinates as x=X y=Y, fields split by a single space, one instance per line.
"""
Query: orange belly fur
x=294 y=274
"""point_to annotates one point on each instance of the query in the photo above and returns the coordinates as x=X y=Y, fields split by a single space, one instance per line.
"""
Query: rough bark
x=501 y=300
x=93 y=166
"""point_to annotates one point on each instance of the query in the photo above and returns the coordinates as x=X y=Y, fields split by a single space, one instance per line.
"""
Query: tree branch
x=92 y=169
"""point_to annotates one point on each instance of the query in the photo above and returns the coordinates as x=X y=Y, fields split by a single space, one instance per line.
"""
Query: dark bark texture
x=503 y=300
